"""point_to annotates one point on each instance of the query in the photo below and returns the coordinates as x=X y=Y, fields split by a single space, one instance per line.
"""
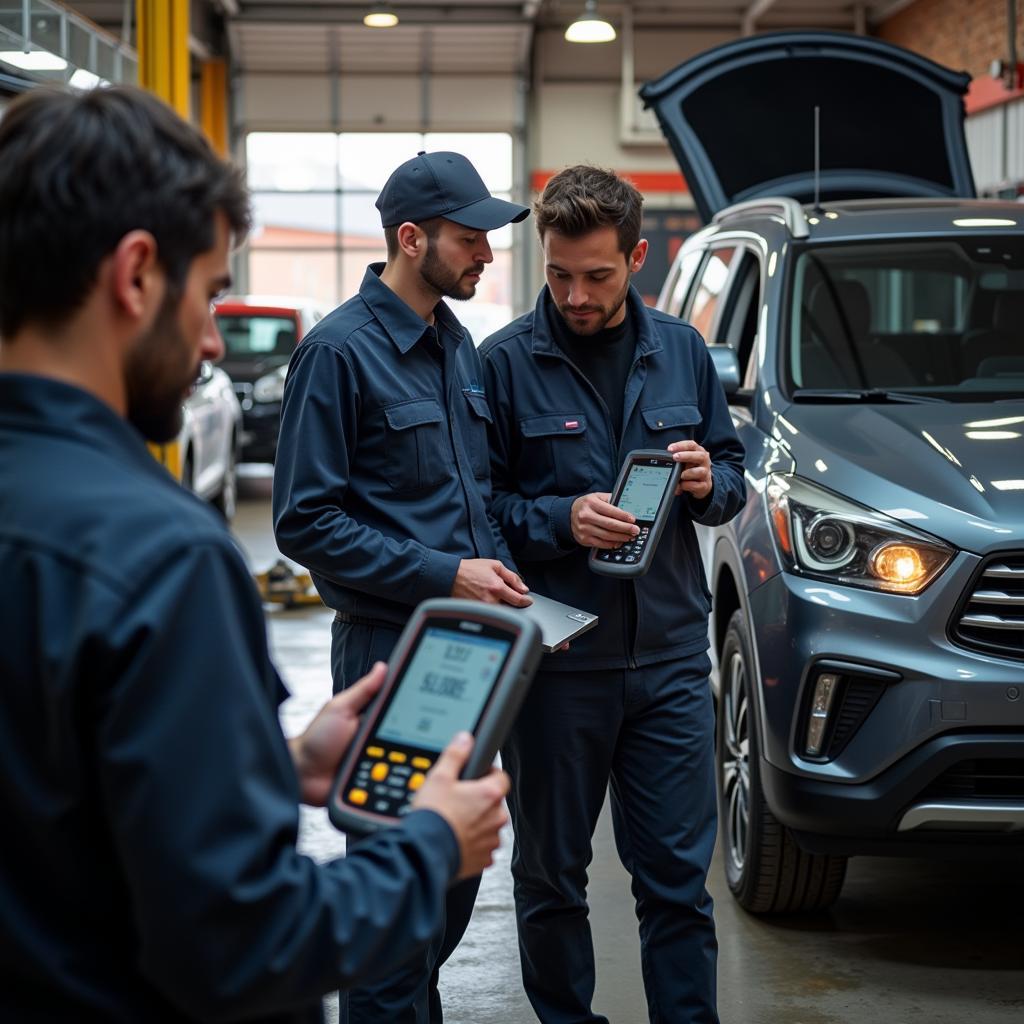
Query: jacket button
x=660 y=423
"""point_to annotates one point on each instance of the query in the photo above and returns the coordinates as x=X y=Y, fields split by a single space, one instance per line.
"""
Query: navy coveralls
x=381 y=488
x=149 y=801
x=629 y=702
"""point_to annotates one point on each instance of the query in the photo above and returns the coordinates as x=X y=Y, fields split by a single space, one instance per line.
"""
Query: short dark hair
x=583 y=198
x=78 y=171
x=431 y=228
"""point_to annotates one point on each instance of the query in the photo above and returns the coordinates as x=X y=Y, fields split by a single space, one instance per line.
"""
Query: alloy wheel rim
x=736 y=762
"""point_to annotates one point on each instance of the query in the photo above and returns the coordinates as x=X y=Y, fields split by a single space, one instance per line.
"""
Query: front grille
x=981 y=779
x=992 y=618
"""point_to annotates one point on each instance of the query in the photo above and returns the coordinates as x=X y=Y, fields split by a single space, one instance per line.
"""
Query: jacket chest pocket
x=476 y=434
x=418 y=451
x=664 y=424
x=555 y=455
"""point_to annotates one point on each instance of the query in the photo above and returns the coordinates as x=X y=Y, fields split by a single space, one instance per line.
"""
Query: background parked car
x=869 y=601
x=205 y=455
x=260 y=333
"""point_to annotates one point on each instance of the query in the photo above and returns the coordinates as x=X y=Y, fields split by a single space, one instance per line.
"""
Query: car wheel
x=765 y=869
x=226 y=499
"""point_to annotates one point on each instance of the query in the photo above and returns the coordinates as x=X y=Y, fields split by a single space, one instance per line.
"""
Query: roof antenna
x=817 y=160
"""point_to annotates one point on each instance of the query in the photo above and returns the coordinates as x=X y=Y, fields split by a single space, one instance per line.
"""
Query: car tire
x=765 y=869
x=225 y=501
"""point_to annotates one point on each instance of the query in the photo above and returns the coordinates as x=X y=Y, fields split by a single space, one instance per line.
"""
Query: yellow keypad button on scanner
x=379 y=772
x=421 y=762
x=397 y=757
x=357 y=796
x=374 y=751
x=416 y=780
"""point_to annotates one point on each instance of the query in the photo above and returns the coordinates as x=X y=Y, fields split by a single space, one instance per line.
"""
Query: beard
x=444 y=280
x=158 y=374
x=593 y=324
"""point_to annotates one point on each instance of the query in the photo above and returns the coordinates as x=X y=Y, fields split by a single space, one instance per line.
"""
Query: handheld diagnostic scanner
x=645 y=488
x=457 y=665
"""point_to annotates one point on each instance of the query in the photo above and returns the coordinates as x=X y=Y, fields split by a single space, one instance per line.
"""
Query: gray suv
x=869 y=601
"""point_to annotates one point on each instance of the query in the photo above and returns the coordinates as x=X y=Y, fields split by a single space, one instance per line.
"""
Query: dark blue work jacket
x=553 y=441
x=382 y=483
x=148 y=870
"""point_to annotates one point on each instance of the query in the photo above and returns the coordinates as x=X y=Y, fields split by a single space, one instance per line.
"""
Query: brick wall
x=965 y=35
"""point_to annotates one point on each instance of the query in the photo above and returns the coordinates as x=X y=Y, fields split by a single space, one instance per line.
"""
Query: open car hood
x=740 y=120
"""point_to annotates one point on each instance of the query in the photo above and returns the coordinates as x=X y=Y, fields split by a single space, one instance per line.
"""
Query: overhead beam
x=315 y=14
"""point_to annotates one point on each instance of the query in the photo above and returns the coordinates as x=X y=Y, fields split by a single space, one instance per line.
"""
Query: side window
x=680 y=280
x=705 y=297
x=737 y=327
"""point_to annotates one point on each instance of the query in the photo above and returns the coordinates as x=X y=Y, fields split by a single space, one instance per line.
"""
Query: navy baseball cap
x=443 y=185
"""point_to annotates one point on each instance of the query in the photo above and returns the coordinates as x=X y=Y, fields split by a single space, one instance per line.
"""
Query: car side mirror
x=727 y=366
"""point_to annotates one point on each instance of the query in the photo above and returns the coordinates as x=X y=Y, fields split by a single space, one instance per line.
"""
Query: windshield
x=942 y=316
x=257 y=335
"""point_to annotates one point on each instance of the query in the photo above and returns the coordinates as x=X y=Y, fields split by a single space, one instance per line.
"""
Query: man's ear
x=411 y=239
x=637 y=256
x=137 y=278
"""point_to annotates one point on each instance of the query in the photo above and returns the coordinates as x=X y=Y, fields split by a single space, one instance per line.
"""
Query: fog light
x=821 y=706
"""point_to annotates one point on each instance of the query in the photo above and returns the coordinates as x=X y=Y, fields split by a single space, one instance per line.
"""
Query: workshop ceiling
x=457 y=36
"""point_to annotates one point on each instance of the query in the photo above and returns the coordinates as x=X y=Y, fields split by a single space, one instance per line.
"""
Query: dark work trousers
x=649 y=733
x=408 y=995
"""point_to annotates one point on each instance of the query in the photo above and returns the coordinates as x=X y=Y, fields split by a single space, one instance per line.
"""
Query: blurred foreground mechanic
x=382 y=476
x=589 y=375
x=148 y=871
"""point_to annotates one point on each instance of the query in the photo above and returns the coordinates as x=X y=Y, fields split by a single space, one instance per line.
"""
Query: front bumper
x=878 y=816
x=939 y=703
x=260 y=426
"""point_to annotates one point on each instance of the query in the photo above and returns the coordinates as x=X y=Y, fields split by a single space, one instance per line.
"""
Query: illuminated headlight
x=823 y=535
x=270 y=387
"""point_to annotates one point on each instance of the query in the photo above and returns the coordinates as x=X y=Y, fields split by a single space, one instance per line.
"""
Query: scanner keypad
x=385 y=781
x=629 y=553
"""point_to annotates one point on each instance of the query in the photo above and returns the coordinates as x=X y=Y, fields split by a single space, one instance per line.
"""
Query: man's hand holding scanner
x=473 y=809
x=596 y=523
x=488 y=580
x=696 y=478
x=318 y=751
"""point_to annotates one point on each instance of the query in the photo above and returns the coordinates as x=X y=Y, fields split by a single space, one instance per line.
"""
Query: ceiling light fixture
x=380 y=16
x=34 y=60
x=590 y=27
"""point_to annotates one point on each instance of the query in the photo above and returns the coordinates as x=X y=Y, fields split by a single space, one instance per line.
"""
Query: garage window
x=316 y=225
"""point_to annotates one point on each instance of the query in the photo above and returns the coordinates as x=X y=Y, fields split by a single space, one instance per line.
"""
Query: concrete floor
x=908 y=941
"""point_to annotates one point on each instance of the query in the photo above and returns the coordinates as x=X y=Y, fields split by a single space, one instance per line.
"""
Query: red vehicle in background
x=260 y=333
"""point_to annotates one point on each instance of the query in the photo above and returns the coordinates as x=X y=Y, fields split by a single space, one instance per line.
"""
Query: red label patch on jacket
x=571 y=424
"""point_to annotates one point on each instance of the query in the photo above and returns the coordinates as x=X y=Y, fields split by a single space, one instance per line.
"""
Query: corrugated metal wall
x=995 y=140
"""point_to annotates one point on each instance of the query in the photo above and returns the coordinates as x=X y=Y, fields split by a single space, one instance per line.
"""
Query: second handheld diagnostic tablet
x=457 y=665
x=645 y=488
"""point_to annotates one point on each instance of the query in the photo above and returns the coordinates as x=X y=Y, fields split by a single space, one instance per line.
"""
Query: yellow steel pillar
x=164 y=69
x=162 y=39
x=213 y=104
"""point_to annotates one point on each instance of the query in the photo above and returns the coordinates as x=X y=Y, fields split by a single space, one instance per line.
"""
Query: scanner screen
x=444 y=688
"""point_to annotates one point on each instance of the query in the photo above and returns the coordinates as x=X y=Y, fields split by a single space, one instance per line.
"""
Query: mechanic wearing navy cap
x=382 y=485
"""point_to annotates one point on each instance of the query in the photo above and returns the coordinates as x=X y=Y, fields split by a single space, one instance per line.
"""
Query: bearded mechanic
x=574 y=385
x=381 y=484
